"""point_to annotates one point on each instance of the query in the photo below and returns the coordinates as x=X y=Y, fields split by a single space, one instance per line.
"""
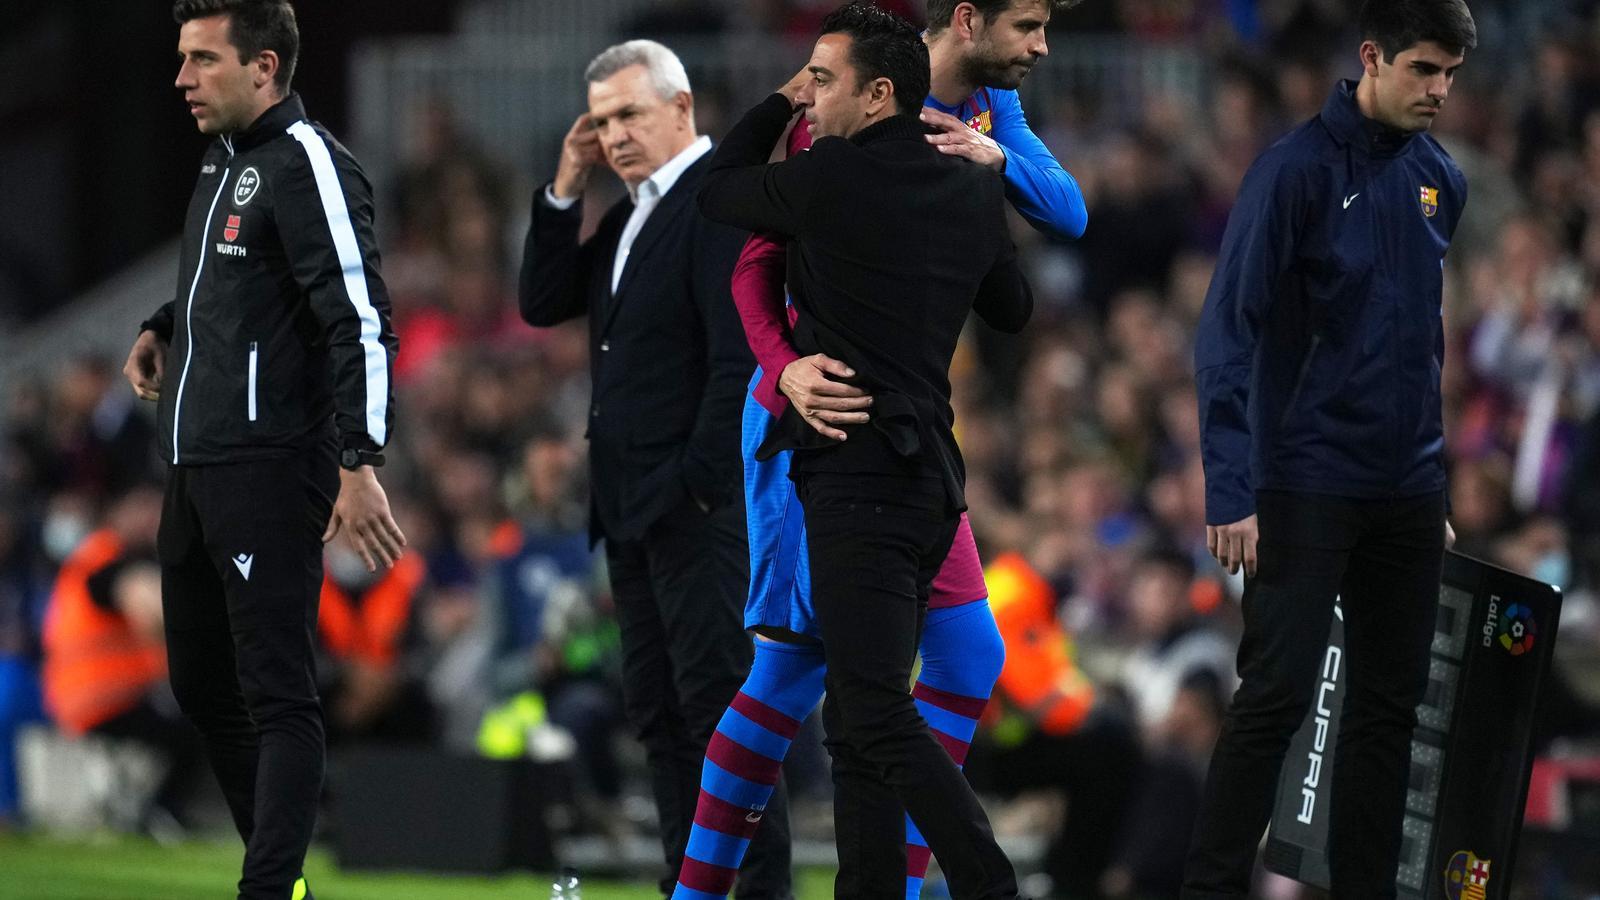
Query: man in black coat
x=892 y=245
x=669 y=365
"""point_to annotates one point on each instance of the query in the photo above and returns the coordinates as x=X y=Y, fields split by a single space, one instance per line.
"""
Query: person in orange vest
x=1047 y=730
x=363 y=620
x=1040 y=679
x=105 y=662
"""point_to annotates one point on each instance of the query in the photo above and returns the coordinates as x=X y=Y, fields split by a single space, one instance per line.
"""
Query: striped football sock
x=961 y=658
x=742 y=764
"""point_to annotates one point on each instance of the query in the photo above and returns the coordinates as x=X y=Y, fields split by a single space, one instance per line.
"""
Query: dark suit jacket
x=667 y=354
x=894 y=243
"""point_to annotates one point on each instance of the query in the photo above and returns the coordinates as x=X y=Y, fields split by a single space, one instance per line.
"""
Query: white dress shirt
x=645 y=197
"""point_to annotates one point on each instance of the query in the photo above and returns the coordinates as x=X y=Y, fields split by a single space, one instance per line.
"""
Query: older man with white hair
x=669 y=365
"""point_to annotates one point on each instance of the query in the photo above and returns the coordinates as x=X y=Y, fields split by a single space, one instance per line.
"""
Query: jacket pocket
x=250 y=383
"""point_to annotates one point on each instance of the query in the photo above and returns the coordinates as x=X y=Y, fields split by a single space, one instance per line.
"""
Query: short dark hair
x=940 y=11
x=883 y=45
x=253 y=26
x=1398 y=25
x=1168 y=558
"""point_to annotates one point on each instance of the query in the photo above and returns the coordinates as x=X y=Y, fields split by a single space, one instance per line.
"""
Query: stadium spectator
x=1174 y=644
x=557 y=633
x=366 y=624
x=99 y=444
x=105 y=658
x=1161 y=813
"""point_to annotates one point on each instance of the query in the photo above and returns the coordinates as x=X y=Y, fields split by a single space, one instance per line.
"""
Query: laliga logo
x=1517 y=630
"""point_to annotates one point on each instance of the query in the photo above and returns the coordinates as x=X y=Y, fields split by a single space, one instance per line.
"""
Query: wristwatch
x=353 y=459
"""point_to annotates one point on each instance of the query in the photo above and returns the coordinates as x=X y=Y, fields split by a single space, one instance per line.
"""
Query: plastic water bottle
x=566 y=885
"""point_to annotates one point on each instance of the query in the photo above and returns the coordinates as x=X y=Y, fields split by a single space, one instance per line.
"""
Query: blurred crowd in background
x=1080 y=435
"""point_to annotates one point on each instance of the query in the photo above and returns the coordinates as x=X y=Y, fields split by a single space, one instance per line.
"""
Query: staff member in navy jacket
x=1318 y=360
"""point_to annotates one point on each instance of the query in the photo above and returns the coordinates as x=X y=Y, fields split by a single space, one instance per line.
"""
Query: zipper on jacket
x=188 y=313
x=251 y=389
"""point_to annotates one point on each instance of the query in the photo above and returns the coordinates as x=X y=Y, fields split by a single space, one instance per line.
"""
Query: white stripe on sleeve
x=374 y=354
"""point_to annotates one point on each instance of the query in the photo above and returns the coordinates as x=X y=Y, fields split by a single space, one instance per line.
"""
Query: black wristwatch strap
x=352 y=459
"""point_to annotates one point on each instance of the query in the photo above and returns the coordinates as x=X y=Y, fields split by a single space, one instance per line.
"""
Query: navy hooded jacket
x=1319 y=349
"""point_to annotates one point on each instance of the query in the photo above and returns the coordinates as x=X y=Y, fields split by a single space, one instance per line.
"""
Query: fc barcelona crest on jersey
x=1466 y=877
x=1430 y=201
x=982 y=123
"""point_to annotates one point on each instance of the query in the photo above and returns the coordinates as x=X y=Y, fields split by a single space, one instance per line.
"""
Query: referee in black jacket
x=272 y=368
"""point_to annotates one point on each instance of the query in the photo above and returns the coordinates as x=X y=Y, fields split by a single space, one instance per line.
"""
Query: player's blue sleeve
x=1045 y=193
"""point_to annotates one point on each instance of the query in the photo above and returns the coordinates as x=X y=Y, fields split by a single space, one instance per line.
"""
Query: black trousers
x=680 y=594
x=241 y=569
x=876 y=543
x=1382 y=558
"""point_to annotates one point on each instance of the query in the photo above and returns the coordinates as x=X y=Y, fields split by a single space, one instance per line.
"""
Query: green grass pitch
x=38 y=868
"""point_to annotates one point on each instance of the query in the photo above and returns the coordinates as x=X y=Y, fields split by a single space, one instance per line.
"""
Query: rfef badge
x=1430 y=201
x=1466 y=877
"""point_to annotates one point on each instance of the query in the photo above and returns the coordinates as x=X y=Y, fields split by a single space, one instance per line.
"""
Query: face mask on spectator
x=1554 y=568
x=62 y=532
x=348 y=571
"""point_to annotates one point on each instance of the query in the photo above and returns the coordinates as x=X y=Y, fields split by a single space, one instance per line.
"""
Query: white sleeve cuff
x=558 y=202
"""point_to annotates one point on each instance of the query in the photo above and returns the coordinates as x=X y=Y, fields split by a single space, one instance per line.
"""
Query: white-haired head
x=666 y=70
x=640 y=108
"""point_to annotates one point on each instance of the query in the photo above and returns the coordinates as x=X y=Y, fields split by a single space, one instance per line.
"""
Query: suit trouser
x=241 y=570
x=876 y=543
x=1383 y=559
x=679 y=595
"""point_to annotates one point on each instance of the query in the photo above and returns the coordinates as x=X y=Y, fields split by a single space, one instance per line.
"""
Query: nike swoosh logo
x=243 y=562
x=1351 y=199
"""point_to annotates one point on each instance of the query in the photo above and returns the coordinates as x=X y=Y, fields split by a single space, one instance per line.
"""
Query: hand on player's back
x=823 y=401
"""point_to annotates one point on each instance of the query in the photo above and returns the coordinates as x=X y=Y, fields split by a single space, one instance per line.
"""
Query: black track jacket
x=279 y=332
